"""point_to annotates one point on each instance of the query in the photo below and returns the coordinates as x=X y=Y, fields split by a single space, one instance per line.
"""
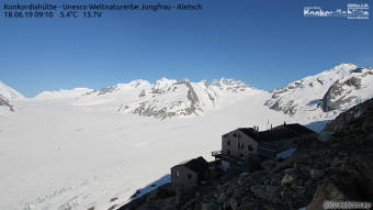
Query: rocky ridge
x=166 y=98
x=338 y=88
x=169 y=98
x=4 y=102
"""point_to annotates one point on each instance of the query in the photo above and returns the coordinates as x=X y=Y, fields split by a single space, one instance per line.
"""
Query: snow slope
x=7 y=96
x=9 y=92
x=338 y=88
x=63 y=94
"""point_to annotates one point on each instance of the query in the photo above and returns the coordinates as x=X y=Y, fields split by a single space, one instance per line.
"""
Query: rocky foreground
x=340 y=169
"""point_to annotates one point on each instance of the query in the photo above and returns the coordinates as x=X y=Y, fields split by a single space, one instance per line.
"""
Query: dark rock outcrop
x=6 y=103
x=333 y=99
x=358 y=119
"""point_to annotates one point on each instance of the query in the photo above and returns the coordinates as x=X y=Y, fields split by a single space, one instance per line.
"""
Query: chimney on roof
x=255 y=128
x=271 y=126
x=284 y=123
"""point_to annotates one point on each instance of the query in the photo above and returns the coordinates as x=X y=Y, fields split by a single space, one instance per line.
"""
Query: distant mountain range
x=163 y=99
x=338 y=88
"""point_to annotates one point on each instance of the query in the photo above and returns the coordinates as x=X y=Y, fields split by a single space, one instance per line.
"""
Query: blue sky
x=263 y=43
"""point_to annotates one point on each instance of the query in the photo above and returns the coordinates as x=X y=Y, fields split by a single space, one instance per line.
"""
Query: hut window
x=250 y=147
x=189 y=176
x=177 y=173
x=229 y=143
x=235 y=135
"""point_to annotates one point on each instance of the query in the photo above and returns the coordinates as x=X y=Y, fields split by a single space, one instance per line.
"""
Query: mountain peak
x=7 y=96
x=229 y=83
x=343 y=68
x=138 y=82
x=335 y=89
x=9 y=93
x=185 y=80
x=163 y=83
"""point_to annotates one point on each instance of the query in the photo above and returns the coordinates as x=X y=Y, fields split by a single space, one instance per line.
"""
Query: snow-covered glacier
x=84 y=148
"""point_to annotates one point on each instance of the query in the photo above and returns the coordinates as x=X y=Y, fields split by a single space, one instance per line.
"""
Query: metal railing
x=216 y=153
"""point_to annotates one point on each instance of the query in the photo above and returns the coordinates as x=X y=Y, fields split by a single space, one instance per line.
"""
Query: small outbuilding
x=190 y=173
